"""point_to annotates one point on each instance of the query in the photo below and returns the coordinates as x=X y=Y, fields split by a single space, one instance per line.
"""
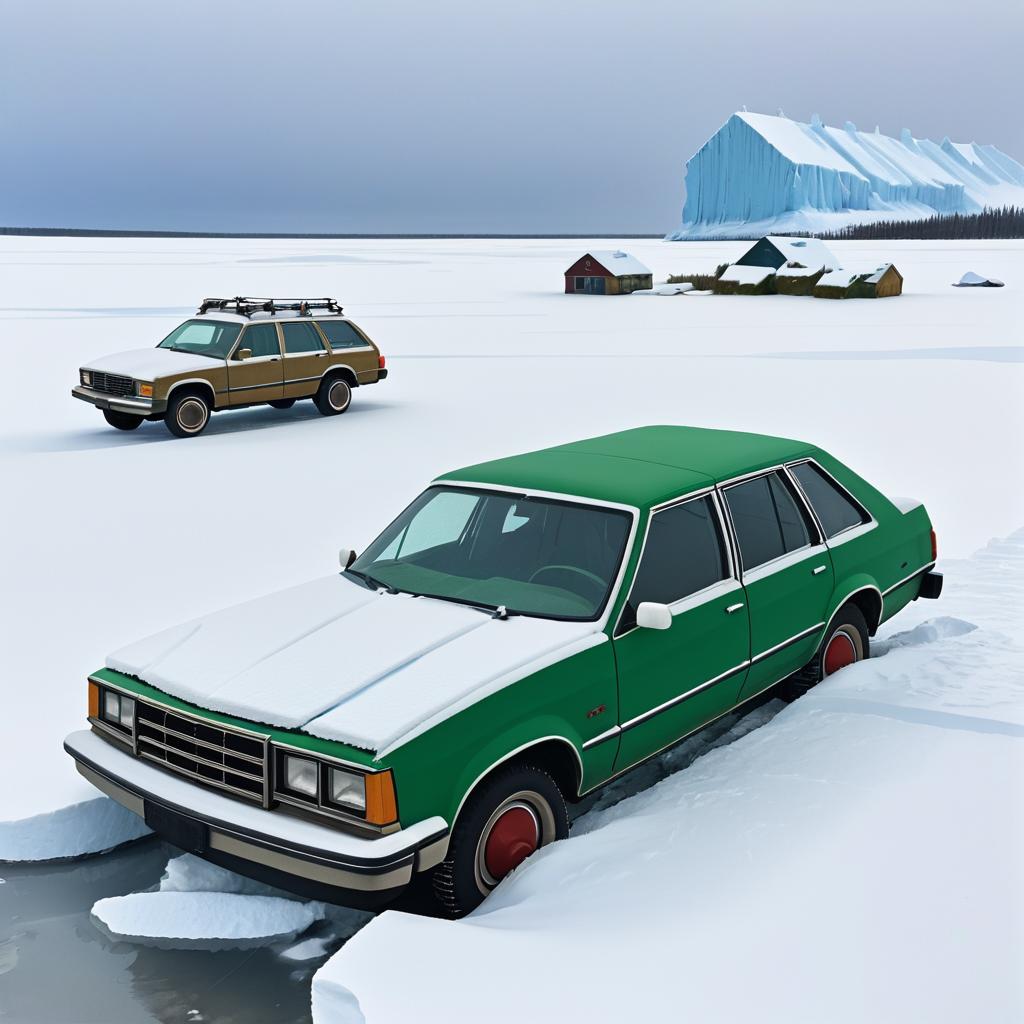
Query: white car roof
x=257 y=317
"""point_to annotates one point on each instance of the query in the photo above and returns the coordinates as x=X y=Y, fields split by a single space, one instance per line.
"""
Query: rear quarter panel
x=898 y=546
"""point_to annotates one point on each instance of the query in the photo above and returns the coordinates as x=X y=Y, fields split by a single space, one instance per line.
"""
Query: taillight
x=935 y=547
x=381 y=362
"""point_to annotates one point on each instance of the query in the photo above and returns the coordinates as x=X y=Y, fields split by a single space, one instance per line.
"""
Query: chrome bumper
x=240 y=833
x=136 y=406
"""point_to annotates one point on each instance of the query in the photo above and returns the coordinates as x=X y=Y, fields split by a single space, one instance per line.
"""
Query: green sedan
x=525 y=631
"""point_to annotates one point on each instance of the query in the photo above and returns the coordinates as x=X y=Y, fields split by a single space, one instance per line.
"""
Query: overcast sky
x=455 y=115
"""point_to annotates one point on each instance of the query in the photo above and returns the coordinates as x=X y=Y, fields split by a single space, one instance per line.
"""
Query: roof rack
x=247 y=305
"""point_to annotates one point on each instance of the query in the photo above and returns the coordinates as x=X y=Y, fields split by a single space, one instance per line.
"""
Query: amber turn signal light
x=381 y=806
x=146 y=390
x=94 y=700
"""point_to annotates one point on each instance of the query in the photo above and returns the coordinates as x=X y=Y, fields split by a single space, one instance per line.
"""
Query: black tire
x=334 y=395
x=187 y=414
x=282 y=403
x=122 y=420
x=477 y=858
x=847 y=640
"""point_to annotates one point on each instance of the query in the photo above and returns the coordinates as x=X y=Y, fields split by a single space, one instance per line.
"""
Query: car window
x=767 y=519
x=302 y=337
x=202 y=338
x=532 y=555
x=341 y=334
x=684 y=553
x=261 y=339
x=835 y=511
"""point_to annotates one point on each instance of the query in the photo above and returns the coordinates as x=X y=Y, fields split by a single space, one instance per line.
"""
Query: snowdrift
x=857 y=858
x=760 y=174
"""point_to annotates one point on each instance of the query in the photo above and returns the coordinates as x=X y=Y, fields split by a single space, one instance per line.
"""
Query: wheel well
x=870 y=604
x=193 y=387
x=343 y=371
x=558 y=759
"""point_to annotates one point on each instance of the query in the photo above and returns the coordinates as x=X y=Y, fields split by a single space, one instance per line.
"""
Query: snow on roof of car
x=639 y=467
x=617 y=262
x=740 y=273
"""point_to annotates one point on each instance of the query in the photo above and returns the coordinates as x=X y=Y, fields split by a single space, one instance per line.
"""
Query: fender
x=851 y=586
x=205 y=384
x=341 y=367
x=510 y=745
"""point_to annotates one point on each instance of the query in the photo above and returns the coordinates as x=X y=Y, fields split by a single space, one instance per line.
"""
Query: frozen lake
x=112 y=536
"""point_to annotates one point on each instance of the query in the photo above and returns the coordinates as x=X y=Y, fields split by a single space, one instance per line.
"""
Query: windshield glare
x=203 y=338
x=534 y=556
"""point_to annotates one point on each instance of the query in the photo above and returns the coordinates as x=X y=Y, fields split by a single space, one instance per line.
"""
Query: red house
x=607 y=272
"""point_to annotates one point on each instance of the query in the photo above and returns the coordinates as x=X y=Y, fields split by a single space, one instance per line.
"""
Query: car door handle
x=818 y=569
x=733 y=608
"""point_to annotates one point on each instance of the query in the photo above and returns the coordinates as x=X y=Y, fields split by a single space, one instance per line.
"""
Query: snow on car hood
x=150 y=363
x=346 y=663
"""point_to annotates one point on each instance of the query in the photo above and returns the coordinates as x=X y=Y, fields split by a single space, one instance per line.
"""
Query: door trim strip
x=786 y=643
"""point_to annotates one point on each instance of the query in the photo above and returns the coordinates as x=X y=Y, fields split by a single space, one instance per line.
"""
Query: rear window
x=341 y=334
x=835 y=511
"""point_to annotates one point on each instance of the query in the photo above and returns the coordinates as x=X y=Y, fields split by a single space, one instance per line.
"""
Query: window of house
x=580 y=284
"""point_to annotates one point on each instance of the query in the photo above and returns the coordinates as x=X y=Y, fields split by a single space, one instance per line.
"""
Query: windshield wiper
x=374 y=582
x=496 y=611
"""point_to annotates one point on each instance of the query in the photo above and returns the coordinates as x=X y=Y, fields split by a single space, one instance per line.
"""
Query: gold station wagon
x=236 y=353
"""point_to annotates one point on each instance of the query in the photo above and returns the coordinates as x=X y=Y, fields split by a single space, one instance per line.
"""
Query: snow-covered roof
x=797 y=270
x=876 y=275
x=811 y=252
x=739 y=273
x=843 y=277
x=617 y=262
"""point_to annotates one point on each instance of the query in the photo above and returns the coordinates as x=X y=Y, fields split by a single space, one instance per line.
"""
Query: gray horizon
x=458 y=118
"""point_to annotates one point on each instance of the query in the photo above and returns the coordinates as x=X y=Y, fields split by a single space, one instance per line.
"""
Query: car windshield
x=203 y=338
x=532 y=556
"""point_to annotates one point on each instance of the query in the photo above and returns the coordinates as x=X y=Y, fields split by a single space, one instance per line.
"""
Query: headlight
x=86 y=377
x=301 y=775
x=348 y=790
x=118 y=710
x=144 y=390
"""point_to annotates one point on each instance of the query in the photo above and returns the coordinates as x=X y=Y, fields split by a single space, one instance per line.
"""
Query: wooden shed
x=796 y=279
x=611 y=272
x=745 y=280
x=879 y=283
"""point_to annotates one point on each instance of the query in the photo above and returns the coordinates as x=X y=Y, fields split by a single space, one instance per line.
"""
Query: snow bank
x=760 y=174
x=89 y=826
x=857 y=858
x=203 y=920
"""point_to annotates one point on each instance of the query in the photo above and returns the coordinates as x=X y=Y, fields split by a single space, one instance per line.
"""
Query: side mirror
x=346 y=556
x=243 y=353
x=653 y=616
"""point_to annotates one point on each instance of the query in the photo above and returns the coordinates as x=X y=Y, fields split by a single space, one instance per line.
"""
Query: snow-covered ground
x=858 y=858
x=111 y=536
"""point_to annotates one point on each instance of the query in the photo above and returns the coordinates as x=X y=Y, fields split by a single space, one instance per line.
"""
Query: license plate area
x=186 y=833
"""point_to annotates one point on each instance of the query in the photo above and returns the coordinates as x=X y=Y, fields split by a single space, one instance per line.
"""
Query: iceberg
x=762 y=174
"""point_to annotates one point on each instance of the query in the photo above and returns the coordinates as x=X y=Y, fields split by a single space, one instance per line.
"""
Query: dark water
x=57 y=968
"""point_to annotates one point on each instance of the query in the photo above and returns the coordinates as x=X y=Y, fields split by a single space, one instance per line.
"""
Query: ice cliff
x=760 y=174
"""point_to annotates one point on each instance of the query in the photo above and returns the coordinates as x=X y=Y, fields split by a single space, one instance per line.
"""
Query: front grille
x=112 y=384
x=206 y=753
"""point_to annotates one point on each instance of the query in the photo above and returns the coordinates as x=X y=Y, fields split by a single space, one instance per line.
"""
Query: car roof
x=261 y=317
x=640 y=467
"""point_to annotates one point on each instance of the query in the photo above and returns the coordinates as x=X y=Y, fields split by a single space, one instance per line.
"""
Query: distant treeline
x=1007 y=222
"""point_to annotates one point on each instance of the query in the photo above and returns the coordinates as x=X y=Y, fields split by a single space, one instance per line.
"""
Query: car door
x=672 y=681
x=786 y=572
x=259 y=377
x=305 y=358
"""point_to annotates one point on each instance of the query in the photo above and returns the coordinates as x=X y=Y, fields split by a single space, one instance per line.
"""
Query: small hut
x=796 y=279
x=612 y=272
x=745 y=280
x=777 y=251
x=878 y=283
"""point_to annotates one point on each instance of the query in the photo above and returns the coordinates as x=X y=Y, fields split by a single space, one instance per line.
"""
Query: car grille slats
x=112 y=383
x=202 y=751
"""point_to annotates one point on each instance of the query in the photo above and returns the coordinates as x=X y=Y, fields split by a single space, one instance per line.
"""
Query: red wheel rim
x=514 y=836
x=839 y=653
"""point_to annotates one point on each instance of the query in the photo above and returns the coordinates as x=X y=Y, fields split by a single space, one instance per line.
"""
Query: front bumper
x=295 y=853
x=136 y=406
